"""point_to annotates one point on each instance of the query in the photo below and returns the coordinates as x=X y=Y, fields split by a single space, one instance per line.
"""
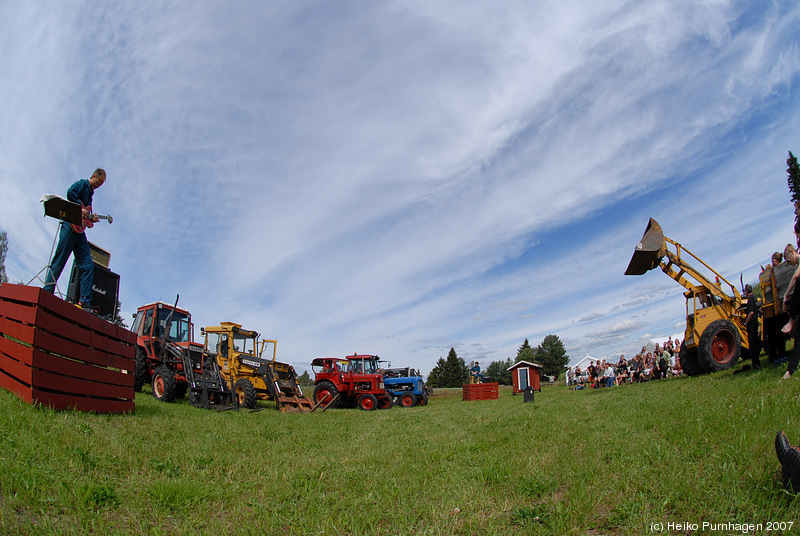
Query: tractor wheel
x=423 y=400
x=246 y=393
x=163 y=384
x=408 y=400
x=367 y=402
x=689 y=362
x=385 y=402
x=720 y=346
x=140 y=374
x=324 y=392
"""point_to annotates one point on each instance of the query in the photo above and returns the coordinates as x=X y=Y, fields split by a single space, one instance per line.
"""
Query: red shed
x=524 y=374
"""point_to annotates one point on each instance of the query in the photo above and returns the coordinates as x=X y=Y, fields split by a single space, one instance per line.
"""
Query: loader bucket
x=649 y=250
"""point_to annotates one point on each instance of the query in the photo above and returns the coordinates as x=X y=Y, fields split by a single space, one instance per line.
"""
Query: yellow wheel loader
x=250 y=366
x=715 y=330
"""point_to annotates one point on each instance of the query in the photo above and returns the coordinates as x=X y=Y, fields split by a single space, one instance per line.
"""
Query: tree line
x=454 y=371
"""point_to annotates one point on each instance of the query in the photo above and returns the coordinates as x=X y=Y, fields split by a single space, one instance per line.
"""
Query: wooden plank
x=99 y=405
x=23 y=332
x=54 y=344
x=71 y=386
x=65 y=367
x=19 y=292
x=23 y=392
x=18 y=312
x=15 y=360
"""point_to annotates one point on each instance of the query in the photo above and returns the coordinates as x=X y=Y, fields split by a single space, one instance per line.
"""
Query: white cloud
x=400 y=178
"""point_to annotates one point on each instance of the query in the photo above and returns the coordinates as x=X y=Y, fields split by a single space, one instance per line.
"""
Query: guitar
x=88 y=219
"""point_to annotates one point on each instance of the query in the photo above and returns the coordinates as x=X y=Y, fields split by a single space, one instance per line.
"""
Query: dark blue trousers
x=71 y=242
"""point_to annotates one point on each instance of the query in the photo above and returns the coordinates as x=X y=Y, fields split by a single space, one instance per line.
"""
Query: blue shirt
x=81 y=192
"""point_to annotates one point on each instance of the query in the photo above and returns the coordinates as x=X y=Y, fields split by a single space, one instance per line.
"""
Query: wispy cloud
x=398 y=178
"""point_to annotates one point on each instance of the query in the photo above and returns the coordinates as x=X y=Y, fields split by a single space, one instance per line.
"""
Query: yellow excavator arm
x=652 y=251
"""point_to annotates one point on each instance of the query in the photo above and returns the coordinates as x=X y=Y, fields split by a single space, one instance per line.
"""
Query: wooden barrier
x=55 y=354
x=480 y=391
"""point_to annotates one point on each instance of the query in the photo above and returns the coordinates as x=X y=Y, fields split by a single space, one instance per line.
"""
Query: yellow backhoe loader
x=251 y=367
x=715 y=331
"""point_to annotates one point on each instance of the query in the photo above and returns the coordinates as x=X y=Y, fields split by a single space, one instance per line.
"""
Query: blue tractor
x=406 y=387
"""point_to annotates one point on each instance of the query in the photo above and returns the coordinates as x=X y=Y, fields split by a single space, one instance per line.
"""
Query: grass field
x=622 y=460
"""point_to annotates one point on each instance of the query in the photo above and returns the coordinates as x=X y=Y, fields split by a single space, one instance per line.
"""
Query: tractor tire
x=367 y=402
x=164 y=384
x=720 y=346
x=246 y=393
x=324 y=392
x=423 y=400
x=140 y=374
x=689 y=362
x=408 y=400
x=385 y=402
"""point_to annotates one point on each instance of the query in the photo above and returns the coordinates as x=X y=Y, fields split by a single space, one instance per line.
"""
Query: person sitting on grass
x=622 y=370
x=635 y=369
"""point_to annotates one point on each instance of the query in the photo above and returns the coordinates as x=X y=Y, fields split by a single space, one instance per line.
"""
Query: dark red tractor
x=169 y=359
x=349 y=382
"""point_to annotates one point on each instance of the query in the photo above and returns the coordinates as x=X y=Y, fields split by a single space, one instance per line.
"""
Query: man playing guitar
x=73 y=240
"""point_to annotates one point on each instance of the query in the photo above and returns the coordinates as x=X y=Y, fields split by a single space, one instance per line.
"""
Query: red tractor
x=352 y=381
x=167 y=356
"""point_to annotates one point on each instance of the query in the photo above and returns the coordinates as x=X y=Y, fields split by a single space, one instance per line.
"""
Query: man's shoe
x=782 y=446
x=790 y=468
x=789 y=456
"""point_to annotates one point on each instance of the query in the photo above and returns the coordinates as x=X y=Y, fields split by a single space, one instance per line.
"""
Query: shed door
x=523 y=379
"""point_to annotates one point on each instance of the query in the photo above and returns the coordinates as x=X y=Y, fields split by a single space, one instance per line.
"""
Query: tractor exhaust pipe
x=649 y=251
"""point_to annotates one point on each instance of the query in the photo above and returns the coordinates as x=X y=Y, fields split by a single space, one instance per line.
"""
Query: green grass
x=610 y=461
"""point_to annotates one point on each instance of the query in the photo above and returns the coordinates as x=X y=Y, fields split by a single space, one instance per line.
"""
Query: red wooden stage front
x=55 y=354
x=480 y=391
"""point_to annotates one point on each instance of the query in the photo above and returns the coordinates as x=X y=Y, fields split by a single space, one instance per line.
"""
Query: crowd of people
x=645 y=366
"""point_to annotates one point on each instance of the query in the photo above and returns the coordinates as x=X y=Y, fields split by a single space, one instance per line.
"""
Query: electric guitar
x=88 y=218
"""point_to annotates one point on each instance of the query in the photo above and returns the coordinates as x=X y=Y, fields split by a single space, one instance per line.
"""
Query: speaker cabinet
x=105 y=289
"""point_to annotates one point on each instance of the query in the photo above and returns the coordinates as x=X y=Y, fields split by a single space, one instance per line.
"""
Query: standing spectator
x=774 y=339
x=790 y=305
x=751 y=323
x=663 y=368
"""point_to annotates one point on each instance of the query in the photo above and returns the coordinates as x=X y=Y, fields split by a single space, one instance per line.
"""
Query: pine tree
x=305 y=379
x=118 y=320
x=526 y=353
x=552 y=356
x=456 y=372
x=435 y=376
x=793 y=177
x=452 y=372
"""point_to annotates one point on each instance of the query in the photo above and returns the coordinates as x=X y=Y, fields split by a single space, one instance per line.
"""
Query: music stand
x=61 y=209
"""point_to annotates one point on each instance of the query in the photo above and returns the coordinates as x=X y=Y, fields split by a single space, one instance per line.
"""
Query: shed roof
x=521 y=363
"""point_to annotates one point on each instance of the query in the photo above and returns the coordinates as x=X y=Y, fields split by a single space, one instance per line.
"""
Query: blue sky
x=400 y=178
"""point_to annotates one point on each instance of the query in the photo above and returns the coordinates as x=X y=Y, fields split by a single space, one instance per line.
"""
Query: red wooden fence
x=55 y=354
x=480 y=391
